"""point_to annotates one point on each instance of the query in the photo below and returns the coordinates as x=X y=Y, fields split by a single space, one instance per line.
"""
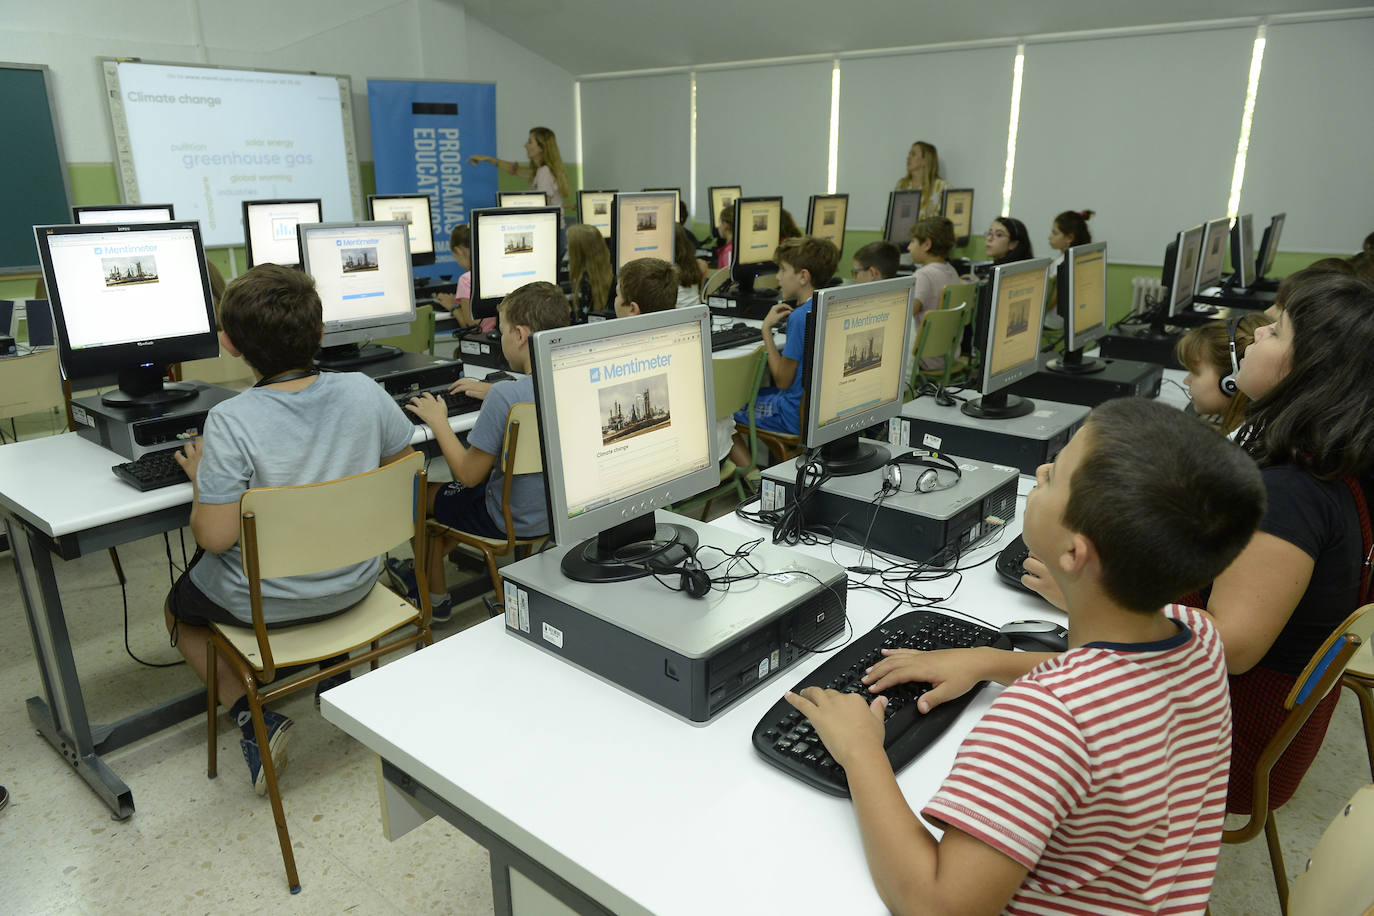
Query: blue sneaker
x=442 y=612
x=403 y=578
x=278 y=731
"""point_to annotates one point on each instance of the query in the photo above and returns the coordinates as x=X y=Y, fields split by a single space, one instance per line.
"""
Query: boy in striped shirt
x=1096 y=782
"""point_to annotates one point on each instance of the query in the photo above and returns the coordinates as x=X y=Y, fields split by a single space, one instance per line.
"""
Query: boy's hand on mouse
x=430 y=409
x=846 y=722
x=470 y=387
x=1037 y=578
x=950 y=672
x=189 y=455
x=777 y=313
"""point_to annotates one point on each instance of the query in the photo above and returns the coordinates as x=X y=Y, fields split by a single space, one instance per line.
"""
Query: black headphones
x=692 y=579
x=929 y=479
x=1228 y=382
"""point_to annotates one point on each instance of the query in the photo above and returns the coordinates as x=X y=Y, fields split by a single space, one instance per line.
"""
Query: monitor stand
x=631 y=550
x=852 y=455
x=1000 y=405
x=1073 y=363
x=142 y=386
x=351 y=356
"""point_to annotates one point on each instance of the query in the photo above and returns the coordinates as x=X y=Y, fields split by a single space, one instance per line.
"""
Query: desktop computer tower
x=731 y=305
x=482 y=348
x=1118 y=378
x=135 y=431
x=1141 y=345
x=1023 y=443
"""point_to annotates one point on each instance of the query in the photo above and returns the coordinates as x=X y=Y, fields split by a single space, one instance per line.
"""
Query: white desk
x=58 y=496
x=612 y=805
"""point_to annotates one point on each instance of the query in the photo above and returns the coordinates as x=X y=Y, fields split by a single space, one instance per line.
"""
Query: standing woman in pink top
x=544 y=169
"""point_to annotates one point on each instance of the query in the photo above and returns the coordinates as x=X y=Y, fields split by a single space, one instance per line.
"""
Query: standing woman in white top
x=923 y=173
x=545 y=168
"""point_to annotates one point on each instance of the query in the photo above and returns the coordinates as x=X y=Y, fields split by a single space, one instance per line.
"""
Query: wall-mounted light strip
x=832 y=169
x=692 y=143
x=1013 y=123
x=1246 y=118
x=577 y=129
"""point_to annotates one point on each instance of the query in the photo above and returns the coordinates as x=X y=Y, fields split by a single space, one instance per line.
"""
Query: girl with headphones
x=1212 y=355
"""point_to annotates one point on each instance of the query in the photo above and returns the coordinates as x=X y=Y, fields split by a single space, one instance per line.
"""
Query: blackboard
x=33 y=173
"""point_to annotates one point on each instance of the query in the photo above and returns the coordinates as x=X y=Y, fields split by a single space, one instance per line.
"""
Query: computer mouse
x=498 y=376
x=1036 y=635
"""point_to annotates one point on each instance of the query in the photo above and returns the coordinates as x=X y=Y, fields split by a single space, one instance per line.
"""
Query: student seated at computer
x=682 y=216
x=645 y=285
x=932 y=239
x=787 y=227
x=295 y=426
x=589 y=269
x=458 y=303
x=1068 y=229
x=876 y=261
x=1308 y=377
x=923 y=172
x=805 y=265
x=1206 y=353
x=689 y=270
x=725 y=225
x=1006 y=240
x=1355 y=267
x=472 y=502
x=1060 y=755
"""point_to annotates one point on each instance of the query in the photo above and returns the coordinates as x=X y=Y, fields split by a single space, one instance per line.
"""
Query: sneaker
x=441 y=613
x=278 y=731
x=330 y=683
x=403 y=578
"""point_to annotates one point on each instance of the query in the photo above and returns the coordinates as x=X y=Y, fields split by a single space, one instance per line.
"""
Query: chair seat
x=499 y=543
x=956 y=365
x=380 y=611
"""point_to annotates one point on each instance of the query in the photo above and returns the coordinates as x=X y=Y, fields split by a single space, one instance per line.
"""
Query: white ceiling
x=600 y=36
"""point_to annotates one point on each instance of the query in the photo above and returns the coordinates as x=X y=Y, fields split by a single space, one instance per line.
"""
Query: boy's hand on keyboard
x=1037 y=579
x=189 y=455
x=950 y=672
x=430 y=409
x=846 y=722
x=470 y=387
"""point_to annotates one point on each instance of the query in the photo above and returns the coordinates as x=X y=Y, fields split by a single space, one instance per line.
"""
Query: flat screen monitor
x=123 y=214
x=644 y=225
x=1269 y=246
x=363 y=275
x=626 y=411
x=1213 y=258
x=1180 y=269
x=511 y=247
x=903 y=210
x=677 y=192
x=957 y=207
x=413 y=210
x=269 y=228
x=722 y=196
x=522 y=199
x=758 y=222
x=825 y=218
x=857 y=337
x=129 y=300
x=1082 y=292
x=1243 y=252
x=1010 y=337
x=594 y=209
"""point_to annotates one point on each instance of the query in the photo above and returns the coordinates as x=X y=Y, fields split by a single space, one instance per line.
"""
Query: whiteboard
x=205 y=139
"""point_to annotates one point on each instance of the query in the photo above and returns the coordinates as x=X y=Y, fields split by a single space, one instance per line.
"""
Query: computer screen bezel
x=86 y=362
x=677 y=208
x=487 y=303
x=811 y=214
x=501 y=195
x=247 y=235
x=892 y=198
x=1242 y=243
x=115 y=208
x=593 y=522
x=1222 y=224
x=711 y=203
x=582 y=211
x=1269 y=245
x=358 y=330
x=417 y=258
x=988 y=382
x=1073 y=339
x=752 y=268
x=614 y=241
x=959 y=240
x=1175 y=302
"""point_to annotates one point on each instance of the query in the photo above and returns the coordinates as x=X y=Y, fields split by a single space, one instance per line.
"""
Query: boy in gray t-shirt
x=472 y=502
x=293 y=427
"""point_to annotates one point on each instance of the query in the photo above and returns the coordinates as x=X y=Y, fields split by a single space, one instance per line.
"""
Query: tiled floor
x=208 y=846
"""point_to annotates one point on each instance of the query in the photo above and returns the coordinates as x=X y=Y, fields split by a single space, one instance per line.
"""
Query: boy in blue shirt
x=805 y=265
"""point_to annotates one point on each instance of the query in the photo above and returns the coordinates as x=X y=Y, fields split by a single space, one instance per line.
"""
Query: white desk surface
x=638 y=808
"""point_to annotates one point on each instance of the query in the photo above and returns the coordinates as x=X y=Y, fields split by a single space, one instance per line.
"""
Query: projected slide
x=207 y=139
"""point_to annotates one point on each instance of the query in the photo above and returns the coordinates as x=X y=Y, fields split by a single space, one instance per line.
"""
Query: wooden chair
x=714 y=281
x=420 y=337
x=736 y=382
x=1337 y=880
x=30 y=384
x=1359 y=679
x=290 y=531
x=939 y=335
x=1321 y=675
x=967 y=295
x=520 y=454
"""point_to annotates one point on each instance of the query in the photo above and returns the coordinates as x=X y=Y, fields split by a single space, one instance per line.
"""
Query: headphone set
x=928 y=480
x=1228 y=383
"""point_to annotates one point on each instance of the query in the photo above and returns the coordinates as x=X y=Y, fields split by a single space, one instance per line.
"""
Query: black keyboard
x=152 y=471
x=1009 y=564
x=786 y=739
x=457 y=404
x=736 y=336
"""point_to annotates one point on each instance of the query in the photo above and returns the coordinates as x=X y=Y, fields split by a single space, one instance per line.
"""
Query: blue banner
x=422 y=135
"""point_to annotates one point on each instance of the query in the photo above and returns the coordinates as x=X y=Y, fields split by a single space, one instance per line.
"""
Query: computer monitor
x=1212 y=261
x=626 y=411
x=522 y=199
x=1082 y=293
x=269 y=229
x=1269 y=246
x=1243 y=252
x=129 y=299
x=826 y=216
x=957 y=206
x=1180 y=269
x=857 y=337
x=677 y=204
x=1009 y=336
x=413 y=210
x=903 y=210
x=38 y=323
x=511 y=247
x=644 y=225
x=758 y=221
x=594 y=209
x=123 y=214
x=7 y=318
x=363 y=275
x=722 y=196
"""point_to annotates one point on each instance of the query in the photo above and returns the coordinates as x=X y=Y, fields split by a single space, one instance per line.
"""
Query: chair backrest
x=940 y=332
x=715 y=281
x=315 y=527
x=965 y=294
x=522 y=456
x=7 y=317
x=420 y=337
x=736 y=381
x=1337 y=880
x=30 y=383
x=218 y=369
x=1323 y=671
x=38 y=321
